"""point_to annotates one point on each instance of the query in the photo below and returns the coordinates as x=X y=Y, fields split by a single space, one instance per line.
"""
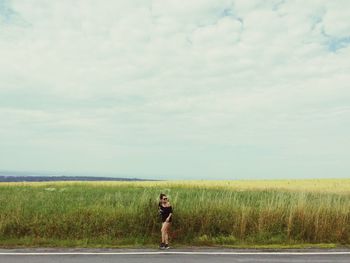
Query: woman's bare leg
x=166 y=236
x=163 y=229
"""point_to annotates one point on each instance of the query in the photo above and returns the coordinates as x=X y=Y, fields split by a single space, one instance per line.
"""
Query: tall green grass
x=127 y=214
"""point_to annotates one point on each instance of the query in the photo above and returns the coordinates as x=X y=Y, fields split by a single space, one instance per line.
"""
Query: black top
x=164 y=212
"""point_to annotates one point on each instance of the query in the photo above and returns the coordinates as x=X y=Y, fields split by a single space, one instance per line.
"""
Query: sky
x=169 y=89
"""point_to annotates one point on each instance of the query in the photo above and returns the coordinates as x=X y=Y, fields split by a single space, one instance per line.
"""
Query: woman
x=165 y=211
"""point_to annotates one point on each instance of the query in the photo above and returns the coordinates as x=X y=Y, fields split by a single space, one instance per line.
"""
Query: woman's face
x=164 y=199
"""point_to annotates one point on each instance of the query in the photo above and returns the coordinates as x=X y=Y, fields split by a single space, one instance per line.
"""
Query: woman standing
x=165 y=211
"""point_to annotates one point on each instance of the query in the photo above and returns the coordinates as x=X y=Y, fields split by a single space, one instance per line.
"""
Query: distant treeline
x=4 y=178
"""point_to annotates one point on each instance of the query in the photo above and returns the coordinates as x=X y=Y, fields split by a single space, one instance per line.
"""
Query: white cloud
x=155 y=79
x=335 y=21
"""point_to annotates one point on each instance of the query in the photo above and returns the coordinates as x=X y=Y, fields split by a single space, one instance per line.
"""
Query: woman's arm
x=167 y=219
x=170 y=214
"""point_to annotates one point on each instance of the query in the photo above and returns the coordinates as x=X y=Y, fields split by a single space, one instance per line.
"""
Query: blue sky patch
x=336 y=43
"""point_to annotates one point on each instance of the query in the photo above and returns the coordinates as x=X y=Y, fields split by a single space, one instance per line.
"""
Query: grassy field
x=226 y=213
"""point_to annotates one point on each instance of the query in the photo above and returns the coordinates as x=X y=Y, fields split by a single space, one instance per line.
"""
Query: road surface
x=191 y=255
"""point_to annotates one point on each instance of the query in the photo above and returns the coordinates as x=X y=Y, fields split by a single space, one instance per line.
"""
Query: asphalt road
x=172 y=255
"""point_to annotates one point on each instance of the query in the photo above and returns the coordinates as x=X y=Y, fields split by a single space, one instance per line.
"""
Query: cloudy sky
x=198 y=89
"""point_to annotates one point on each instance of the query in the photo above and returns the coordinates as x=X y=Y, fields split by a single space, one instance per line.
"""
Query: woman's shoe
x=162 y=246
x=166 y=246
